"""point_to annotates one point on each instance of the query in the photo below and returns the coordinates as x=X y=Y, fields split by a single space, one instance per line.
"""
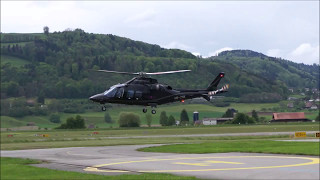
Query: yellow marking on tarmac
x=193 y=164
x=207 y=163
x=311 y=162
x=74 y=154
x=224 y=162
x=93 y=169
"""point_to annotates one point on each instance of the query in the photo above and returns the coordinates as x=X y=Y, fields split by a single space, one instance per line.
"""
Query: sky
x=286 y=29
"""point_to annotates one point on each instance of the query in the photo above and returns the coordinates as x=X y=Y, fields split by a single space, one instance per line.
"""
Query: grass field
x=253 y=146
x=15 y=168
x=14 y=61
x=97 y=118
x=77 y=138
x=22 y=44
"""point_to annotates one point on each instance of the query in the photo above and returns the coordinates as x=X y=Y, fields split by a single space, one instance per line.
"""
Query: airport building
x=289 y=117
x=212 y=121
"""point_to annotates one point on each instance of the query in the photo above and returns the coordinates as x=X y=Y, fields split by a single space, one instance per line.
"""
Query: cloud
x=196 y=53
x=215 y=53
x=305 y=53
x=177 y=45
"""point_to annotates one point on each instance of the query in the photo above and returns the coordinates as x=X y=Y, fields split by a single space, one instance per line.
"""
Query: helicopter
x=146 y=91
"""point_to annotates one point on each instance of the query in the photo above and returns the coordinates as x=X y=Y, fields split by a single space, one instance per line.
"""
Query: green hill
x=60 y=65
x=273 y=69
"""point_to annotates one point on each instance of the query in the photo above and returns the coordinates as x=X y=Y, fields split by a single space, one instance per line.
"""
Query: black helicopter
x=145 y=91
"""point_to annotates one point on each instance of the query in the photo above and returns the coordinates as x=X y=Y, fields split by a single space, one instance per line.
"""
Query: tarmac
x=113 y=160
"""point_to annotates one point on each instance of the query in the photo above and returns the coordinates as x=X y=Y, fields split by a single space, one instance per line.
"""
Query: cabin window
x=130 y=94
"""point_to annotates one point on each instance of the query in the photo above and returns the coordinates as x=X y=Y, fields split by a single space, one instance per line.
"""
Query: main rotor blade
x=117 y=72
x=168 y=72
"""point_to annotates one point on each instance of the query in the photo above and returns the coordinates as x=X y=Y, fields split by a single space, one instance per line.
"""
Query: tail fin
x=215 y=82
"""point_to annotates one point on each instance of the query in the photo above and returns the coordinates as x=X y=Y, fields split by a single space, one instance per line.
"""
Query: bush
x=73 y=123
x=242 y=118
x=129 y=120
x=39 y=111
x=54 y=118
x=19 y=111
x=107 y=118
x=255 y=115
x=171 y=121
x=228 y=113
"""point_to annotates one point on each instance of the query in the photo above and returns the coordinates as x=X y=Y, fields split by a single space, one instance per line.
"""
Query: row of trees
x=133 y=120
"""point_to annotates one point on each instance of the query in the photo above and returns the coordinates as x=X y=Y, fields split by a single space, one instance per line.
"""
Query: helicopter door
x=120 y=93
x=138 y=95
x=130 y=94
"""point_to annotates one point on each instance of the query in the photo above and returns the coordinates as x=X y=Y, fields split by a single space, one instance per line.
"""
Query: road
x=112 y=160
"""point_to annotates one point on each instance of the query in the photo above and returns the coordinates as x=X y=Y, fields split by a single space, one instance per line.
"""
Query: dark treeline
x=61 y=65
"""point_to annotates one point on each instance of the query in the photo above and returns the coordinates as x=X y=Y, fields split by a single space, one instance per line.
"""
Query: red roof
x=295 y=115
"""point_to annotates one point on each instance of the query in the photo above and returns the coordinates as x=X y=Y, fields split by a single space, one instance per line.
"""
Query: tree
x=242 y=118
x=255 y=115
x=171 y=121
x=79 y=121
x=149 y=119
x=163 y=118
x=184 y=117
x=55 y=118
x=107 y=118
x=41 y=98
x=46 y=30
x=129 y=120
x=73 y=123
x=229 y=113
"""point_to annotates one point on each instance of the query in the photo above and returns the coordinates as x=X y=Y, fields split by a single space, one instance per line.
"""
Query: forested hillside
x=273 y=69
x=61 y=64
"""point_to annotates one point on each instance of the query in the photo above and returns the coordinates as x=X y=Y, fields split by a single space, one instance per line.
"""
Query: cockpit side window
x=120 y=93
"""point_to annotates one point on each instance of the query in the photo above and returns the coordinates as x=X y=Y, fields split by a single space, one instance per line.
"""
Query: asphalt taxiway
x=112 y=160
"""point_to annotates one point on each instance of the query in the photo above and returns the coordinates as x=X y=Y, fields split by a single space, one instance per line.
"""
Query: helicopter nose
x=96 y=98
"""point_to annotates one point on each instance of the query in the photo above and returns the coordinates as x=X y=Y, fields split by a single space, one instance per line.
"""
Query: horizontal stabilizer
x=206 y=97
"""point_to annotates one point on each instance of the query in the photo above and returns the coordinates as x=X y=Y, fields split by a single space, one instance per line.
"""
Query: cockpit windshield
x=111 y=92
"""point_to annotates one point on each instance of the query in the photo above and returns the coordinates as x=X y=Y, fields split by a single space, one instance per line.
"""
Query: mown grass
x=77 y=142
x=15 y=168
x=253 y=146
x=14 y=61
x=62 y=135
x=7 y=121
